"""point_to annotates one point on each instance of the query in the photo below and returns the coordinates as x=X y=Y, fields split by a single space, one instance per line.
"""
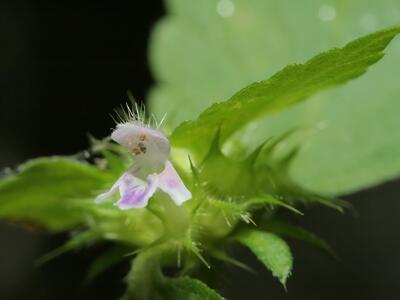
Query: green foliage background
x=199 y=57
x=346 y=139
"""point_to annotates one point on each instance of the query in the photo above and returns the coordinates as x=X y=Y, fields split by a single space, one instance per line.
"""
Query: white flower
x=151 y=171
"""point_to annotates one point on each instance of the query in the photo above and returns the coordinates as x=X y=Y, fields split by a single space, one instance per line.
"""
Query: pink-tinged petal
x=135 y=193
x=100 y=198
x=170 y=183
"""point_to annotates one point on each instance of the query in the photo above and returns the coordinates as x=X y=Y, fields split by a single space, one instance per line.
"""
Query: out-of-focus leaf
x=106 y=260
x=50 y=192
x=290 y=86
x=299 y=233
x=75 y=242
x=145 y=273
x=199 y=57
x=186 y=288
x=223 y=256
x=115 y=163
x=271 y=250
x=146 y=281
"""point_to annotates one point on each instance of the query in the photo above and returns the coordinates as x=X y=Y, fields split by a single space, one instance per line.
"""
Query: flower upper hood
x=151 y=171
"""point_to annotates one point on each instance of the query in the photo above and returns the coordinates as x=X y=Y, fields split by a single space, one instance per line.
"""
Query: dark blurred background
x=64 y=67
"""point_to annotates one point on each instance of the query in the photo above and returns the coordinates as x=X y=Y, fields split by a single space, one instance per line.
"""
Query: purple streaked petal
x=100 y=198
x=135 y=193
x=170 y=183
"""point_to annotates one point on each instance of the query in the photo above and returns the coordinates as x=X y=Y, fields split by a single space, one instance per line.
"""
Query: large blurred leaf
x=271 y=250
x=293 y=84
x=199 y=57
x=50 y=192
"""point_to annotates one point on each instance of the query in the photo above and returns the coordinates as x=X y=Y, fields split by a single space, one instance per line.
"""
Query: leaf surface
x=186 y=288
x=199 y=57
x=271 y=250
x=50 y=192
x=293 y=84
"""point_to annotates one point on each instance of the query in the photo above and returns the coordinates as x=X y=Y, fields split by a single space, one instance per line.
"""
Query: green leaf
x=223 y=256
x=293 y=84
x=269 y=200
x=296 y=232
x=50 y=192
x=271 y=250
x=186 y=288
x=75 y=242
x=246 y=185
x=115 y=163
x=146 y=281
x=143 y=275
x=199 y=57
x=106 y=260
